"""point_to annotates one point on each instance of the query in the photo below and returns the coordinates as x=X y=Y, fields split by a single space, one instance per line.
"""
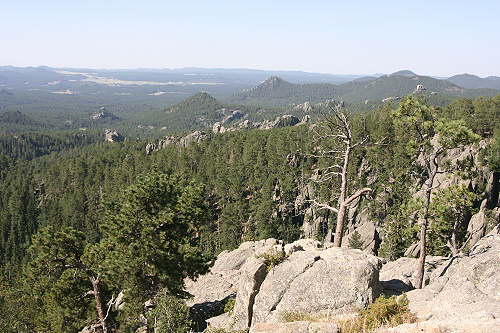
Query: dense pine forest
x=78 y=213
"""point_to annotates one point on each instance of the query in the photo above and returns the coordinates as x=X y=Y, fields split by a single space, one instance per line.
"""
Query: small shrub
x=170 y=315
x=229 y=306
x=355 y=241
x=273 y=258
x=384 y=312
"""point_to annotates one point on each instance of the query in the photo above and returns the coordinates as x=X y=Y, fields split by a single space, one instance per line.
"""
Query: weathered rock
x=295 y=327
x=252 y=275
x=305 y=107
x=233 y=260
x=103 y=115
x=331 y=280
x=477 y=224
x=306 y=244
x=399 y=276
x=465 y=291
x=218 y=128
x=212 y=290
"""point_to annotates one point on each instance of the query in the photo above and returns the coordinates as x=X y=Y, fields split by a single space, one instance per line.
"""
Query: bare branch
x=323 y=206
x=357 y=194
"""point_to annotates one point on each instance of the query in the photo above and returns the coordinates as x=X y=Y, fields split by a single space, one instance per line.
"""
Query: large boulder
x=320 y=281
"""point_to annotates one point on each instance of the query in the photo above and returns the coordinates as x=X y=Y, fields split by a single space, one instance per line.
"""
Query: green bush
x=170 y=315
x=355 y=241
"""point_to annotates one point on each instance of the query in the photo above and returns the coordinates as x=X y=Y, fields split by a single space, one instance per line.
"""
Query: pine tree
x=149 y=239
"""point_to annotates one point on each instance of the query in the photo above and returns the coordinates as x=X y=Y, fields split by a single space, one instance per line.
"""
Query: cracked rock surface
x=321 y=281
x=318 y=281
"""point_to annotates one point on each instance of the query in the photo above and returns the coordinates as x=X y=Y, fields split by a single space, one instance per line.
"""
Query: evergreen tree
x=450 y=209
x=149 y=239
x=420 y=123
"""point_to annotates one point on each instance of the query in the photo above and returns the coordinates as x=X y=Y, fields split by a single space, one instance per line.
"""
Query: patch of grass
x=229 y=306
x=384 y=312
x=289 y=316
x=273 y=258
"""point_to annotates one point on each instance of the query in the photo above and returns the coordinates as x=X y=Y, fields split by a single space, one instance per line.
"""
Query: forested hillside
x=276 y=91
x=73 y=209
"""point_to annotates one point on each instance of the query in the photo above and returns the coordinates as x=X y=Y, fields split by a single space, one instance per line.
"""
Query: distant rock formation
x=196 y=136
x=305 y=107
x=279 y=122
x=113 y=136
x=103 y=115
x=419 y=89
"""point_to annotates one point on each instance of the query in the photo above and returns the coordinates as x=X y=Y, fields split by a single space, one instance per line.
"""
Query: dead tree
x=336 y=144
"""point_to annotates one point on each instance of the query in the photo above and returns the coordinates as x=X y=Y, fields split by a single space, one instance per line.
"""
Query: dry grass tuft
x=384 y=312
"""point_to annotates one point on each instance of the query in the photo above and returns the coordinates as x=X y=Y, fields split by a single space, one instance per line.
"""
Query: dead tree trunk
x=432 y=168
x=96 y=286
x=336 y=130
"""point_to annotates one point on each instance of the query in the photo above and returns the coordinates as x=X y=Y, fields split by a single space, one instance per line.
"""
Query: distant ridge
x=404 y=72
x=276 y=91
x=470 y=81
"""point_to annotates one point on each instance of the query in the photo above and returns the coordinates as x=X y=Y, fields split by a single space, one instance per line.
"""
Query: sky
x=438 y=37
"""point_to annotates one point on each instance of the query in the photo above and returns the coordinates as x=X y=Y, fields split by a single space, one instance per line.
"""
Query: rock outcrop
x=196 y=136
x=309 y=279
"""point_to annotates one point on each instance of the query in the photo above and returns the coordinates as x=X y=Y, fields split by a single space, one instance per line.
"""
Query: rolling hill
x=475 y=82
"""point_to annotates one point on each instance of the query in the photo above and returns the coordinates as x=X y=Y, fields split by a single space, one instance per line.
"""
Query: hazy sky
x=437 y=37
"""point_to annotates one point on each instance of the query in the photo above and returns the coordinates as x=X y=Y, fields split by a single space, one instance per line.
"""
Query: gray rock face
x=235 y=115
x=223 y=279
x=210 y=291
x=197 y=136
x=306 y=244
x=477 y=224
x=324 y=280
x=103 y=115
x=253 y=274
